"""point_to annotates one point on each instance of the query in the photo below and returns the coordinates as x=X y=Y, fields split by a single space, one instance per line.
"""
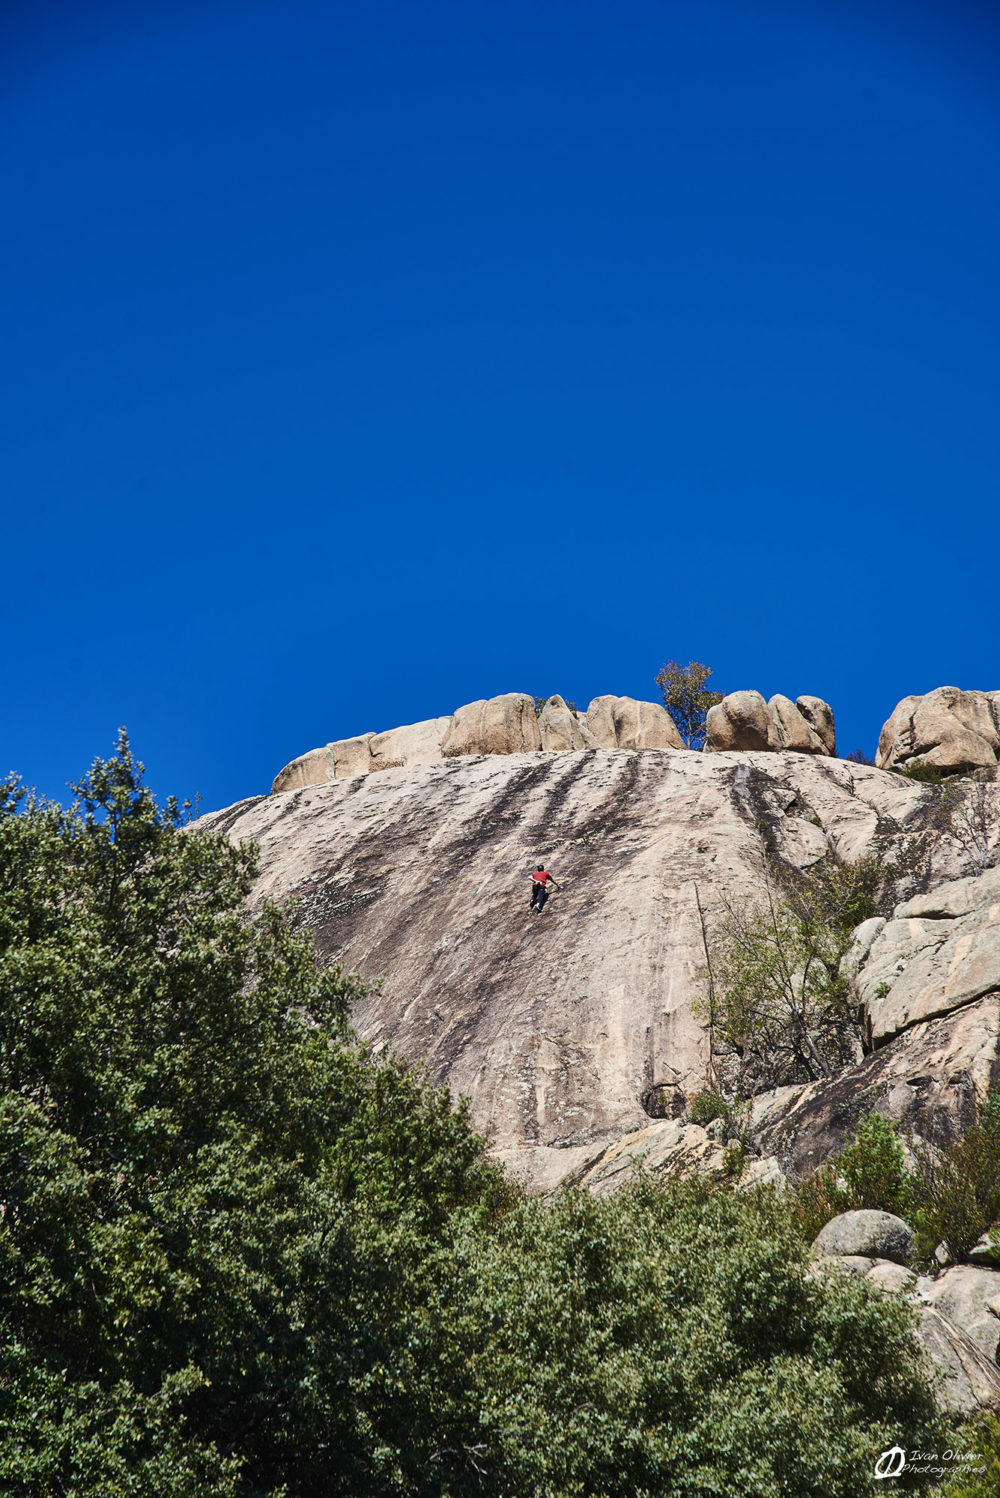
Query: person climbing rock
x=540 y=881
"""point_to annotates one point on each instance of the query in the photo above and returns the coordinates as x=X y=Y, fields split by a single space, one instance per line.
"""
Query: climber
x=540 y=880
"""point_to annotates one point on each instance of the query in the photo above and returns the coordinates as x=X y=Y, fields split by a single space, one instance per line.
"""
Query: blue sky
x=360 y=361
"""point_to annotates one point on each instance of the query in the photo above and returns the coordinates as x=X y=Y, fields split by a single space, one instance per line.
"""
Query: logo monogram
x=891 y=1462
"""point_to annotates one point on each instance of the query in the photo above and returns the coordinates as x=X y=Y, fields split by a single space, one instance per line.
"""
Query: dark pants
x=539 y=895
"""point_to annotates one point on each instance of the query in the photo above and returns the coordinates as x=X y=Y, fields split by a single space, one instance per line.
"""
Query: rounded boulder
x=877 y=1235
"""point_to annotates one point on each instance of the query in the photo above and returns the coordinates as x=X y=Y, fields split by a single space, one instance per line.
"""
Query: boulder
x=881 y=1274
x=314 y=768
x=969 y=1380
x=498 y=725
x=415 y=744
x=987 y=1250
x=967 y=1296
x=876 y=1235
x=947 y=728
x=626 y=723
x=740 y=721
x=937 y=953
x=792 y=729
x=333 y=761
x=819 y=715
x=351 y=756
x=560 y=728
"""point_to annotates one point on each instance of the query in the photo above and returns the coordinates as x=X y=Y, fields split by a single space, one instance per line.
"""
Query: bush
x=957 y=1194
x=925 y=774
x=979 y=1439
x=706 y=1106
x=226 y=1256
x=869 y=1172
x=669 y=1340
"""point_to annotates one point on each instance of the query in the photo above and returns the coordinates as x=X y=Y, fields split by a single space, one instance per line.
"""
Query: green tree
x=671 y=1341
x=687 y=699
x=226 y=1240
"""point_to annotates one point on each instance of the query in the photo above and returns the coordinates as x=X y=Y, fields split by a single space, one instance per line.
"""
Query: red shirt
x=541 y=876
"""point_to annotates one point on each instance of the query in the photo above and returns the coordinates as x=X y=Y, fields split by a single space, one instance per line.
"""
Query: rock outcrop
x=625 y=723
x=495 y=725
x=559 y=1027
x=744 y=721
x=949 y=729
x=969 y=1381
x=939 y=952
x=416 y=744
x=560 y=728
x=930 y=1080
x=970 y=1298
x=509 y=724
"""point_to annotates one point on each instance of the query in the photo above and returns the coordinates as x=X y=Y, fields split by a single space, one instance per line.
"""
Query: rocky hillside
x=568 y=1029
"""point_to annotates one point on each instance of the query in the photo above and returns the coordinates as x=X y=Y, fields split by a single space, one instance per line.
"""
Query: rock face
x=417 y=744
x=878 y=1235
x=559 y=1026
x=969 y=1380
x=624 y=723
x=939 y=952
x=561 y=729
x=497 y=725
x=744 y=721
x=946 y=728
x=930 y=1080
x=970 y=1298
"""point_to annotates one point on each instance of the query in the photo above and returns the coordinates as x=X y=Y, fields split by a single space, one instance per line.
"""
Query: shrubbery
x=951 y=1196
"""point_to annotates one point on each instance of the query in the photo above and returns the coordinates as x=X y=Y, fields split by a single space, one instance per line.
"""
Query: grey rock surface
x=626 y=723
x=967 y=1296
x=740 y=721
x=494 y=725
x=876 y=1235
x=561 y=729
x=939 y=952
x=557 y=1027
x=819 y=715
x=969 y=1380
x=930 y=1081
x=793 y=730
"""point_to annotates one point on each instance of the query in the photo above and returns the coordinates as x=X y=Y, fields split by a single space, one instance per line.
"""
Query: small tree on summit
x=686 y=699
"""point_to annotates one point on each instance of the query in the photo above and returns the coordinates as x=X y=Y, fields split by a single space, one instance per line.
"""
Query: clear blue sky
x=363 y=360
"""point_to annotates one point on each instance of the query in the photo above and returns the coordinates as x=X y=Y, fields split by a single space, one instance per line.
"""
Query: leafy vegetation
x=958 y=1189
x=222 y=1232
x=980 y=1440
x=687 y=698
x=949 y=1195
x=239 y=1259
x=869 y=1172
